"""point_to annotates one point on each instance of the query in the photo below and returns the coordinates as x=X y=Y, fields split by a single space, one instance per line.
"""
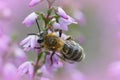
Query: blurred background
x=98 y=32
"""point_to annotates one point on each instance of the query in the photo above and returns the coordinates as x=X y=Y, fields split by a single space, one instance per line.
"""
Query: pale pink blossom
x=5 y=11
x=34 y=2
x=53 y=65
x=64 y=21
x=80 y=17
x=26 y=68
x=29 y=42
x=114 y=70
x=76 y=75
x=44 y=78
x=62 y=13
x=30 y=19
x=4 y=43
x=19 y=54
x=64 y=17
x=9 y=72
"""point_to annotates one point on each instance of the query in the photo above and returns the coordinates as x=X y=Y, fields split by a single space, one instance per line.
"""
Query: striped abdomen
x=72 y=51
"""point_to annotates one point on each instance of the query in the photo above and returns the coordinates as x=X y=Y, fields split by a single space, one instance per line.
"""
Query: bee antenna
x=38 y=25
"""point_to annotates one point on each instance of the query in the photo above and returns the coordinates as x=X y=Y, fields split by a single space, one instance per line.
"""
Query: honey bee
x=69 y=49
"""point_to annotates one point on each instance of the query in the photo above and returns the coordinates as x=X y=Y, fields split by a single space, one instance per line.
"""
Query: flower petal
x=62 y=13
x=34 y=2
x=26 y=68
x=30 y=19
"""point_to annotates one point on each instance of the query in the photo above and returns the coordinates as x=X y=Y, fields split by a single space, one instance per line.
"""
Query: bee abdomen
x=72 y=51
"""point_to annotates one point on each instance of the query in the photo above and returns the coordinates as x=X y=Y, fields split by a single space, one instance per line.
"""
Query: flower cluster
x=48 y=61
x=11 y=56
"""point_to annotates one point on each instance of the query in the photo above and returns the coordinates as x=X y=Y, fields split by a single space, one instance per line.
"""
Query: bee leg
x=61 y=57
x=60 y=33
x=51 y=57
x=69 y=38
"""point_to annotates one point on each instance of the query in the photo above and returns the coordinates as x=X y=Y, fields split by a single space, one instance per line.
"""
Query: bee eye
x=40 y=40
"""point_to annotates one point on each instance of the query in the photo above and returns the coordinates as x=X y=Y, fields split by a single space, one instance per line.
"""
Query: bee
x=69 y=49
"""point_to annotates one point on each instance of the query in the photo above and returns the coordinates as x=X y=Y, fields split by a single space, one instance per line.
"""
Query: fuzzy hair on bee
x=69 y=49
x=53 y=42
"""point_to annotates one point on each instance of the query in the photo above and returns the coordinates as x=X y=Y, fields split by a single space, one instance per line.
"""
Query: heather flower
x=53 y=65
x=76 y=75
x=62 y=13
x=5 y=12
x=9 y=72
x=63 y=21
x=4 y=43
x=19 y=54
x=26 y=68
x=80 y=17
x=43 y=78
x=34 y=2
x=29 y=42
x=30 y=19
x=114 y=70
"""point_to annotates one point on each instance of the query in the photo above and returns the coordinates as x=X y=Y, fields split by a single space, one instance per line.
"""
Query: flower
x=63 y=21
x=19 y=54
x=4 y=43
x=114 y=70
x=26 y=68
x=5 y=12
x=34 y=2
x=80 y=17
x=44 y=78
x=30 y=19
x=62 y=13
x=29 y=42
x=9 y=72
x=53 y=65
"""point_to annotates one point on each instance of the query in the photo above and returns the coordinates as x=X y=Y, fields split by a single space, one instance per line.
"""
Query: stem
x=36 y=67
x=39 y=62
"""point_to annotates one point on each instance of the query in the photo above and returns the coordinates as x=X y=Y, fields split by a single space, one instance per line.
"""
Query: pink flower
x=30 y=19
x=63 y=21
x=9 y=72
x=29 y=42
x=19 y=54
x=62 y=13
x=5 y=12
x=34 y=2
x=76 y=75
x=114 y=70
x=26 y=68
x=4 y=43
x=43 y=78
x=80 y=17
x=53 y=65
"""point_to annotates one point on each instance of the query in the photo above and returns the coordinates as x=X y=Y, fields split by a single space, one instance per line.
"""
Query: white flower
x=29 y=42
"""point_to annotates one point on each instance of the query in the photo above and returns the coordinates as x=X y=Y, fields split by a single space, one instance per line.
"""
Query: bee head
x=41 y=35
